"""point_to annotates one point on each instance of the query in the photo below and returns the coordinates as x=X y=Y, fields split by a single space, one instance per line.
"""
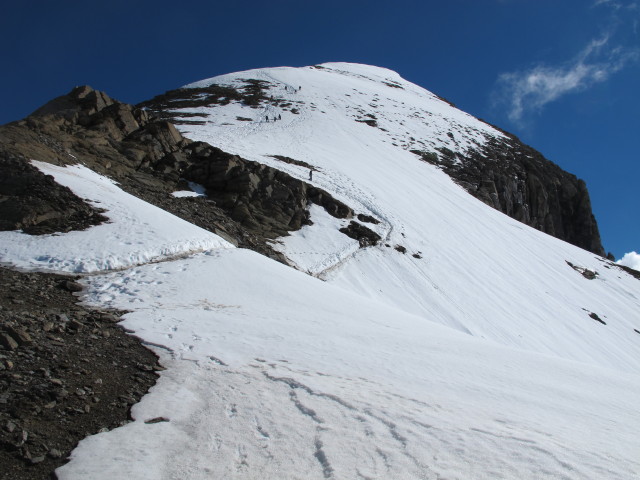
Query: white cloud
x=530 y=90
x=610 y=3
x=631 y=260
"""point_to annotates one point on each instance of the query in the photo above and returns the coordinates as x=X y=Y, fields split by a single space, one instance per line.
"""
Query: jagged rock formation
x=247 y=202
x=364 y=235
x=517 y=180
x=259 y=197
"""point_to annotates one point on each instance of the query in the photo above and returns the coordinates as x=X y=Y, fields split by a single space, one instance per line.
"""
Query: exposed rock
x=72 y=286
x=293 y=161
x=597 y=318
x=247 y=202
x=33 y=202
x=49 y=383
x=253 y=93
x=365 y=236
x=585 y=272
x=368 y=219
x=78 y=105
x=20 y=336
x=8 y=342
x=630 y=271
x=517 y=180
x=156 y=420
x=260 y=198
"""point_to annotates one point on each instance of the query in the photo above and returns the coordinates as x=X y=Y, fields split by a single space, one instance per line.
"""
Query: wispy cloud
x=609 y=3
x=528 y=91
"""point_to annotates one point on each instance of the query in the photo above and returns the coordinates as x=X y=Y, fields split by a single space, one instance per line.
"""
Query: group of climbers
x=279 y=117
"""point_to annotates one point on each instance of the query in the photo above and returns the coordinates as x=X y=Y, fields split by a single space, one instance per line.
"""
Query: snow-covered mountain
x=339 y=100
x=443 y=255
x=446 y=340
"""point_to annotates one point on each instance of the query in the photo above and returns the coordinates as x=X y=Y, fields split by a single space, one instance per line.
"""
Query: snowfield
x=275 y=374
x=481 y=272
x=473 y=355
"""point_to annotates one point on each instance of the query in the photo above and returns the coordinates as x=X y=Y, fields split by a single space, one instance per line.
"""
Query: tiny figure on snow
x=310 y=174
x=266 y=117
x=279 y=117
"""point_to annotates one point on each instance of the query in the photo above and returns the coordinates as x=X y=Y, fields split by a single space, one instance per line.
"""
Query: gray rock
x=54 y=453
x=19 y=335
x=517 y=180
x=8 y=342
x=72 y=286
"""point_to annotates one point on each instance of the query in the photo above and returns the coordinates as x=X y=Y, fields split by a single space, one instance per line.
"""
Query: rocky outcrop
x=365 y=236
x=33 y=202
x=259 y=197
x=517 y=180
x=253 y=93
x=247 y=202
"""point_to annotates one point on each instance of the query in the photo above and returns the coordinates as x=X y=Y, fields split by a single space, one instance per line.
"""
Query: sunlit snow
x=470 y=356
x=136 y=233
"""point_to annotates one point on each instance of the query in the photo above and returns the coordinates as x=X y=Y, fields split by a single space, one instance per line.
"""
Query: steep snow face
x=464 y=264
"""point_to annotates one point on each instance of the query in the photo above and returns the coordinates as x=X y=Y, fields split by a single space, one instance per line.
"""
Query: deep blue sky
x=563 y=76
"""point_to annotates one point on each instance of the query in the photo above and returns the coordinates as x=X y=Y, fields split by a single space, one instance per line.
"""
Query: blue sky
x=562 y=76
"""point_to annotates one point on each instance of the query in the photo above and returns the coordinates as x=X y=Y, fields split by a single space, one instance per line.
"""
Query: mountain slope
x=465 y=266
x=491 y=164
x=458 y=343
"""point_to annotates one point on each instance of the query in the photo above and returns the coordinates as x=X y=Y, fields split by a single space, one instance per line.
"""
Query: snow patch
x=136 y=233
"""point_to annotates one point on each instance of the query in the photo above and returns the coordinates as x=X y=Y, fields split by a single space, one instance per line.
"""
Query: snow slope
x=276 y=374
x=480 y=272
x=478 y=360
x=137 y=232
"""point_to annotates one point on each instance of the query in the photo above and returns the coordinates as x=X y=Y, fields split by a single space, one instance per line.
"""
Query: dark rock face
x=257 y=196
x=364 y=235
x=517 y=180
x=33 y=202
x=252 y=93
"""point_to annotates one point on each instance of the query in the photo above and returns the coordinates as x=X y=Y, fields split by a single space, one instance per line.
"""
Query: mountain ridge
x=503 y=172
x=443 y=331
